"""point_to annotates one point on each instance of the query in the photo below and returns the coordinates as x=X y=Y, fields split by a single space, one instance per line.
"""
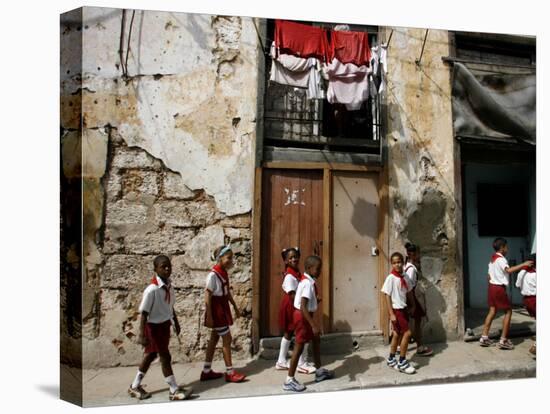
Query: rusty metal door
x=355 y=207
x=292 y=215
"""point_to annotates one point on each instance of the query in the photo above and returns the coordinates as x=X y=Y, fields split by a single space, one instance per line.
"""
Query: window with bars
x=293 y=121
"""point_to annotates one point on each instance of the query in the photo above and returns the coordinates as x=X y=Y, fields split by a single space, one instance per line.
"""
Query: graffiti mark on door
x=294 y=196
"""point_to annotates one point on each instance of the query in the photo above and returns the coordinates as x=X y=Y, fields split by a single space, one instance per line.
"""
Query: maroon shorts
x=530 y=303
x=286 y=314
x=158 y=336
x=401 y=324
x=302 y=329
x=498 y=298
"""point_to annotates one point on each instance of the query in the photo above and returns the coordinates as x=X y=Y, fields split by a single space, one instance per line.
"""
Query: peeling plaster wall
x=421 y=170
x=167 y=166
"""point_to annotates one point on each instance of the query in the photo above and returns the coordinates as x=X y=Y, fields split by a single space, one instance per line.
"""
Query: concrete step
x=333 y=343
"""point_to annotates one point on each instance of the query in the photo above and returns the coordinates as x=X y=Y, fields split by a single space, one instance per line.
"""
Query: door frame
x=382 y=241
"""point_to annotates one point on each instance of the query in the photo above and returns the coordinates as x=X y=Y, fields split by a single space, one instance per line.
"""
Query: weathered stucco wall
x=421 y=169
x=167 y=166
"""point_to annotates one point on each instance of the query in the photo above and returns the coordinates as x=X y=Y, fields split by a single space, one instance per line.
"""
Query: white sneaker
x=282 y=366
x=405 y=367
x=306 y=368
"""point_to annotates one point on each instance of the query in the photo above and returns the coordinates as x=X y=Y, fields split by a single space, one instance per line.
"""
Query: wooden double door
x=332 y=214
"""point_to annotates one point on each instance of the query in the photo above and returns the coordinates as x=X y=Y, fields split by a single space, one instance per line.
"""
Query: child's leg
x=395 y=339
x=417 y=335
x=226 y=340
x=212 y=342
x=506 y=323
x=166 y=365
x=316 y=345
x=488 y=321
x=404 y=344
x=298 y=348
x=148 y=358
x=285 y=345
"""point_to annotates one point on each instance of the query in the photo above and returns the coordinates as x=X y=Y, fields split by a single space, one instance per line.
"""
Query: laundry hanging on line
x=301 y=40
x=297 y=72
x=350 y=47
x=348 y=84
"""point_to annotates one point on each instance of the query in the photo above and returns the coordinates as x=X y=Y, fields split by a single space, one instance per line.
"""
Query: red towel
x=350 y=47
x=301 y=40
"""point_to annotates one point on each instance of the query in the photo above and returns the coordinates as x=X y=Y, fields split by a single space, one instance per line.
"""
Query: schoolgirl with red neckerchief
x=218 y=316
x=527 y=284
x=498 y=299
x=291 y=279
x=398 y=293
x=411 y=271
x=157 y=316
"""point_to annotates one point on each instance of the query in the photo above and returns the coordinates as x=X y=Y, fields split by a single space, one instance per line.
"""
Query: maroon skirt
x=286 y=314
x=158 y=336
x=221 y=313
x=303 y=332
x=498 y=298
x=401 y=324
x=530 y=303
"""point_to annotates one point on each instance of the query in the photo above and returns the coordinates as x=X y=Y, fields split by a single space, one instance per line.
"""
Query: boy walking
x=157 y=314
x=305 y=328
x=498 y=299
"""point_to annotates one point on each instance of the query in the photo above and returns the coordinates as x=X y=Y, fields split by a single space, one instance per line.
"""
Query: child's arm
x=514 y=269
x=237 y=311
x=209 y=320
x=390 y=308
x=176 y=322
x=307 y=316
x=142 y=340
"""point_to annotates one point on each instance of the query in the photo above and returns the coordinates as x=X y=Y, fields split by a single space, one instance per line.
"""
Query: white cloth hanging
x=297 y=72
x=347 y=84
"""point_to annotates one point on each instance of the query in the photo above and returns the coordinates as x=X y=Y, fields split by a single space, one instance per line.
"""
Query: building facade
x=174 y=142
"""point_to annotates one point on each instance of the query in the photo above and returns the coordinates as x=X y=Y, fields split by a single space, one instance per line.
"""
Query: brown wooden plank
x=327 y=245
x=383 y=247
x=256 y=259
x=319 y=166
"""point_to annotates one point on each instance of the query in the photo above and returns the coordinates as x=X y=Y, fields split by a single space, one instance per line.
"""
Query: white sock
x=288 y=379
x=502 y=339
x=229 y=370
x=283 y=351
x=206 y=368
x=137 y=379
x=171 y=381
x=303 y=357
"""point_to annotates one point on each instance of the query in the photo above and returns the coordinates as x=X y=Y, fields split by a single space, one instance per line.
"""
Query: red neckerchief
x=221 y=271
x=166 y=287
x=529 y=269
x=401 y=279
x=291 y=271
x=495 y=256
x=304 y=277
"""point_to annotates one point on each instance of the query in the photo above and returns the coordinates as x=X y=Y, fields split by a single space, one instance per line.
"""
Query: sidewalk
x=453 y=362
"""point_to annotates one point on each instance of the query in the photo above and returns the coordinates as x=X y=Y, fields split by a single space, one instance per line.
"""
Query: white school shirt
x=290 y=283
x=497 y=272
x=527 y=283
x=214 y=284
x=411 y=274
x=155 y=304
x=392 y=287
x=306 y=289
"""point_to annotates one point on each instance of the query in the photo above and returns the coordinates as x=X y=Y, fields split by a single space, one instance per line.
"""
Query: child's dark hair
x=411 y=248
x=499 y=243
x=285 y=252
x=397 y=254
x=312 y=261
x=157 y=261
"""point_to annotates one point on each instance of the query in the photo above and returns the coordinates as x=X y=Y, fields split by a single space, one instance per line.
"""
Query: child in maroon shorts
x=397 y=292
x=218 y=316
x=157 y=312
x=527 y=283
x=292 y=276
x=411 y=273
x=498 y=299
x=305 y=328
